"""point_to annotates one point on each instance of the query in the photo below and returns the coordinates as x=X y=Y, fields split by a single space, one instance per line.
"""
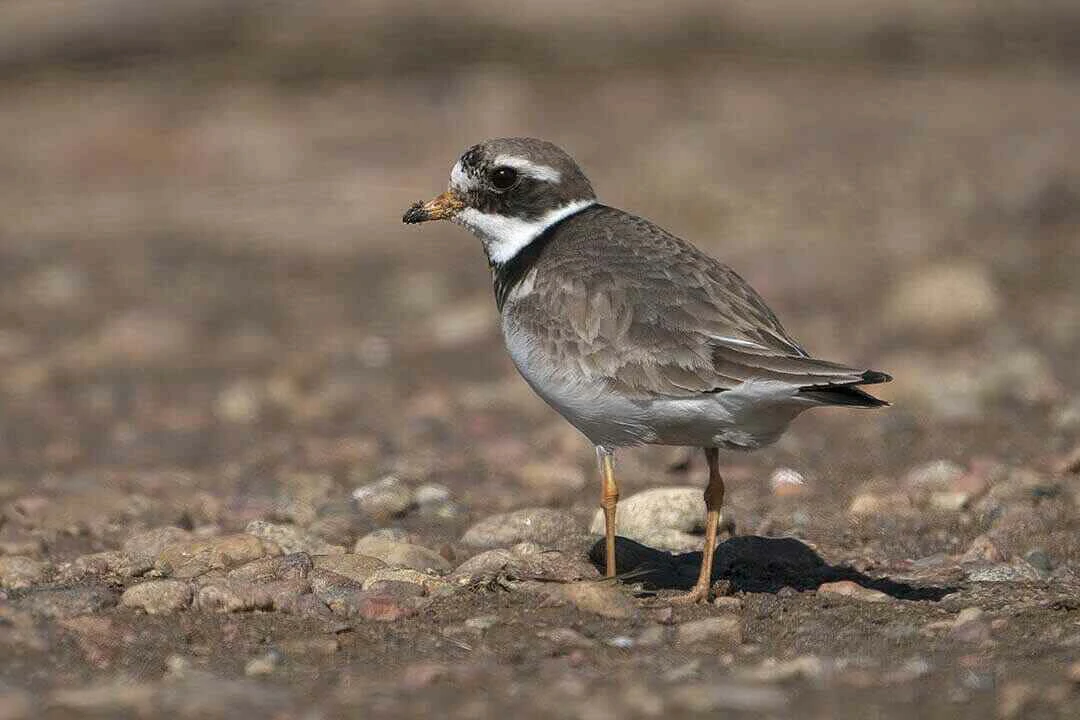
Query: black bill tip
x=415 y=214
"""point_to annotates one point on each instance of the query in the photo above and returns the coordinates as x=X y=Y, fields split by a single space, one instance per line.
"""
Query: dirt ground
x=257 y=438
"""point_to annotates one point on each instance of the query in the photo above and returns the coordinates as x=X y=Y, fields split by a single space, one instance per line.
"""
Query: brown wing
x=619 y=299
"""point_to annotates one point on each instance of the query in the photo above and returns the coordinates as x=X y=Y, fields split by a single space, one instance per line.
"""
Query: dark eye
x=504 y=178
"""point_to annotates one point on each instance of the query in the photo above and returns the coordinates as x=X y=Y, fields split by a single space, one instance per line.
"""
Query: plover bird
x=631 y=333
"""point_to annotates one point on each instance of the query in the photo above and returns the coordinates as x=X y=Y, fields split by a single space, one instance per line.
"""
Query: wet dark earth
x=262 y=452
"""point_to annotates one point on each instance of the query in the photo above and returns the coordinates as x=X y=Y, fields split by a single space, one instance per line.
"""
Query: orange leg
x=609 y=498
x=714 y=499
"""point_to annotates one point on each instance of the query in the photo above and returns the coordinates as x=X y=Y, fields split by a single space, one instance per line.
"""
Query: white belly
x=747 y=417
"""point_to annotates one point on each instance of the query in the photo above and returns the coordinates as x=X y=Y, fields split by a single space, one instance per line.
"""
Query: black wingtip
x=873 y=377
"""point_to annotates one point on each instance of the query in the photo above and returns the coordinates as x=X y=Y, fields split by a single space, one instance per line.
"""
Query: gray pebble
x=158 y=596
x=539 y=525
x=669 y=518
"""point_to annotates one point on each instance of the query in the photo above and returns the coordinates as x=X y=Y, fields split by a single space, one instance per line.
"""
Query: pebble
x=239 y=596
x=787 y=482
x=942 y=298
x=192 y=558
x=146 y=546
x=868 y=503
x=725 y=629
x=383 y=499
x=18 y=572
x=706 y=697
x=291 y=539
x=66 y=601
x=539 y=525
x=566 y=638
x=1019 y=571
x=109 y=562
x=984 y=549
x=653 y=636
x=667 y=518
x=383 y=609
x=294 y=566
x=354 y=567
x=158 y=596
x=482 y=622
x=601 y=598
x=848 y=588
x=773 y=670
x=399 y=554
x=429 y=584
x=264 y=664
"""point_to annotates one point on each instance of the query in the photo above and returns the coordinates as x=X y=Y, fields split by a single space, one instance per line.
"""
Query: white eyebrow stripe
x=459 y=179
x=527 y=167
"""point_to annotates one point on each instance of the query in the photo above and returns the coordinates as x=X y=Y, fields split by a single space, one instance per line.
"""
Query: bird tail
x=848 y=394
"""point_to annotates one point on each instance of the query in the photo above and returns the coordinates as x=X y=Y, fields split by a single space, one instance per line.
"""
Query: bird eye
x=504 y=178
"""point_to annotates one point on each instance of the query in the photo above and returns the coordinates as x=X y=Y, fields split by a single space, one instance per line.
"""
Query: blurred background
x=211 y=312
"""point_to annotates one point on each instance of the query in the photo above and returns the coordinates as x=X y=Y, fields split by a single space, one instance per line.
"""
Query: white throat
x=504 y=236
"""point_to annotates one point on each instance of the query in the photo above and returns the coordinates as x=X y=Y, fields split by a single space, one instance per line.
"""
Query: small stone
x=772 y=670
x=67 y=601
x=355 y=567
x=874 y=503
x=943 y=298
x=291 y=539
x=383 y=609
x=264 y=664
x=158 y=596
x=429 y=584
x=601 y=598
x=18 y=572
x=1039 y=559
x=191 y=558
x=146 y=546
x=383 y=499
x=653 y=636
x=786 y=482
x=566 y=638
x=294 y=566
x=481 y=623
x=724 y=629
x=847 y=588
x=109 y=562
x=623 y=642
x=708 y=697
x=667 y=518
x=399 y=554
x=539 y=525
x=984 y=549
x=430 y=494
x=1019 y=571
x=339 y=593
x=240 y=596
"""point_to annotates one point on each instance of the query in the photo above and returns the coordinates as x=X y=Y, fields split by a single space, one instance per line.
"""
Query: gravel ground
x=262 y=453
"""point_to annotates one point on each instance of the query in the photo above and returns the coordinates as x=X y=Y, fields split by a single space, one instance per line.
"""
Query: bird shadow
x=749 y=563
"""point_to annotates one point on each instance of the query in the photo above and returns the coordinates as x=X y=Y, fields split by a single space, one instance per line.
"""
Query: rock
x=383 y=609
x=786 y=482
x=431 y=494
x=1040 y=560
x=430 y=585
x=110 y=562
x=158 y=596
x=399 y=554
x=355 y=567
x=869 y=503
x=340 y=594
x=146 y=546
x=383 y=499
x=971 y=626
x=984 y=549
x=847 y=588
x=653 y=636
x=944 y=485
x=191 y=558
x=291 y=539
x=667 y=518
x=482 y=622
x=566 y=638
x=942 y=298
x=264 y=664
x=18 y=571
x=294 y=566
x=551 y=481
x=708 y=697
x=539 y=525
x=724 y=629
x=518 y=564
x=772 y=670
x=66 y=601
x=239 y=596
x=602 y=598
x=1019 y=571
